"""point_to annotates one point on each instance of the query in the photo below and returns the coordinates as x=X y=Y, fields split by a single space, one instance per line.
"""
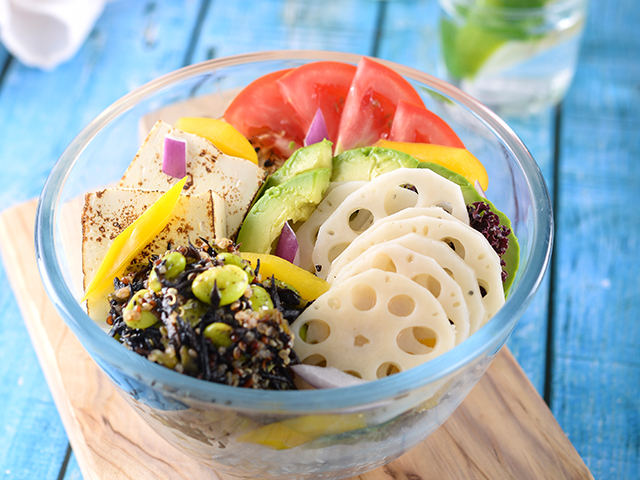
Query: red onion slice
x=479 y=189
x=174 y=160
x=317 y=130
x=288 y=245
x=325 y=377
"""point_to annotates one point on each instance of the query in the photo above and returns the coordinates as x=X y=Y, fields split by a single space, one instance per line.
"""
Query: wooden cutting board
x=502 y=430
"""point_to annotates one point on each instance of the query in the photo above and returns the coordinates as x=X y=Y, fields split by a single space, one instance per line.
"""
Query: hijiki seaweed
x=244 y=342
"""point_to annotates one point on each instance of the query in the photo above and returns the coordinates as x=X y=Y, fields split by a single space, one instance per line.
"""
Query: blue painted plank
x=32 y=438
x=409 y=34
x=73 y=470
x=132 y=44
x=40 y=112
x=596 y=367
x=231 y=28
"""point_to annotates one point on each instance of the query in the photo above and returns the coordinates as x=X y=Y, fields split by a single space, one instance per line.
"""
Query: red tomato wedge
x=418 y=125
x=322 y=85
x=371 y=105
x=260 y=113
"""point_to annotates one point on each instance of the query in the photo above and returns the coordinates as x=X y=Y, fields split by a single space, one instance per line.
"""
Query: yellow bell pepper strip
x=132 y=240
x=276 y=436
x=307 y=284
x=459 y=160
x=297 y=431
x=222 y=134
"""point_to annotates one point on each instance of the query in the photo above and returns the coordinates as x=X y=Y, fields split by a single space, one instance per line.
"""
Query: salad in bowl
x=294 y=264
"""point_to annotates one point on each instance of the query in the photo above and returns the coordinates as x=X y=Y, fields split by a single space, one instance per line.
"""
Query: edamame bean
x=175 y=264
x=231 y=281
x=134 y=315
x=172 y=265
x=219 y=333
x=232 y=259
x=260 y=299
x=154 y=281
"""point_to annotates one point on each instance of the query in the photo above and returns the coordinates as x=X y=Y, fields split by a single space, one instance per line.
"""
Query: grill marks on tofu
x=109 y=212
x=236 y=180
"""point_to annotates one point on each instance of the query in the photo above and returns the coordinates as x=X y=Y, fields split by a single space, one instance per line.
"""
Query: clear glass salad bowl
x=331 y=433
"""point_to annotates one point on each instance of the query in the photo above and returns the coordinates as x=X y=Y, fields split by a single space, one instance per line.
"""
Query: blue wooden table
x=578 y=342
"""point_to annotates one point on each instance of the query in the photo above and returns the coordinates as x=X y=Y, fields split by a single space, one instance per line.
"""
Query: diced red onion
x=288 y=245
x=325 y=377
x=317 y=130
x=174 y=160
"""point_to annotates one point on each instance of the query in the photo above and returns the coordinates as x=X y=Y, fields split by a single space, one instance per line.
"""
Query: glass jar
x=515 y=56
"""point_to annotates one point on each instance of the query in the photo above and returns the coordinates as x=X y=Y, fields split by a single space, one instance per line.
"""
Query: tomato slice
x=418 y=125
x=371 y=105
x=260 y=113
x=322 y=85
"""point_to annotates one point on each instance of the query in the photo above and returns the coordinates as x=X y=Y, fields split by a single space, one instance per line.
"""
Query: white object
x=307 y=233
x=381 y=197
x=325 y=377
x=422 y=269
x=468 y=243
x=372 y=325
x=46 y=33
x=455 y=266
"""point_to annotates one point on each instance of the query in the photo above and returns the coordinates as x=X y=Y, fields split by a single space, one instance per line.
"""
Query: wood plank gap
x=5 y=68
x=195 y=35
x=65 y=463
x=382 y=10
x=555 y=190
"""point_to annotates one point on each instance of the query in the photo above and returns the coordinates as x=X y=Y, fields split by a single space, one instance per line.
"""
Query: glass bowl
x=332 y=433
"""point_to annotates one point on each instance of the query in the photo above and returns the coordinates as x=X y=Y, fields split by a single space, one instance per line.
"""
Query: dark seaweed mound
x=258 y=348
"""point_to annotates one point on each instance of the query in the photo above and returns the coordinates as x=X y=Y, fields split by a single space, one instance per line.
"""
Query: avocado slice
x=512 y=256
x=369 y=162
x=293 y=200
x=304 y=159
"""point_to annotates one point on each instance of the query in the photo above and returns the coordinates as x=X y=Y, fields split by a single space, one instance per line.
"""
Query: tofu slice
x=236 y=180
x=108 y=212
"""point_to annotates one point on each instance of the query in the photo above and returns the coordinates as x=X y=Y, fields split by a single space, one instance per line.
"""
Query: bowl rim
x=106 y=349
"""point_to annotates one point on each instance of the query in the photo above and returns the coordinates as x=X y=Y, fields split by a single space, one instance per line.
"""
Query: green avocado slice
x=369 y=162
x=294 y=200
x=304 y=159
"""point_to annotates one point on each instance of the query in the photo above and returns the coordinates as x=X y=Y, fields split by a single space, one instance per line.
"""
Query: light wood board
x=502 y=430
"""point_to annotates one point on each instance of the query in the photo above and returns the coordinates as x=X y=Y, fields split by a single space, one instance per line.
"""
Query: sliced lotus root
x=372 y=325
x=451 y=263
x=468 y=243
x=378 y=199
x=423 y=270
x=308 y=231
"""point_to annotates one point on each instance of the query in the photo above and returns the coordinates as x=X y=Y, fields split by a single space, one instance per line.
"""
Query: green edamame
x=175 y=264
x=135 y=314
x=154 y=282
x=219 y=333
x=230 y=280
x=171 y=265
x=260 y=298
x=233 y=259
